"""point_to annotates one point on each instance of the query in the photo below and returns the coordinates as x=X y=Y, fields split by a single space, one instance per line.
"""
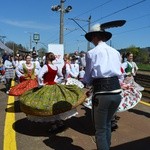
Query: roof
x=4 y=47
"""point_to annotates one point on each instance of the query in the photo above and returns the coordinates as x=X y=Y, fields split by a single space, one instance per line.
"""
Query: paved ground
x=133 y=132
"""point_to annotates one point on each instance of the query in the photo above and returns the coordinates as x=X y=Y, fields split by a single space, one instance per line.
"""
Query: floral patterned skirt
x=22 y=87
x=130 y=98
x=51 y=99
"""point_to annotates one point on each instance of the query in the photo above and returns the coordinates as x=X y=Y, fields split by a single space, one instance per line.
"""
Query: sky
x=20 y=19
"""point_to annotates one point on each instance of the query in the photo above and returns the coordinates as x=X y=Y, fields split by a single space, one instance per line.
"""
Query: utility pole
x=30 y=39
x=61 y=37
x=89 y=25
x=62 y=10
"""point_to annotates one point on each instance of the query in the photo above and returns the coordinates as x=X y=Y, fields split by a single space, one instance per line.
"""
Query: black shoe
x=56 y=128
x=114 y=127
x=53 y=129
x=117 y=117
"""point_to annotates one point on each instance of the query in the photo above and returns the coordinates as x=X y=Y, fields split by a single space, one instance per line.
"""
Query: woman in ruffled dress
x=130 y=95
x=66 y=67
x=27 y=77
x=51 y=102
x=129 y=69
x=70 y=71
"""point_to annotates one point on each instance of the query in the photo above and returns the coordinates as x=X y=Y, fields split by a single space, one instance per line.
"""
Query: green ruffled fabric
x=52 y=98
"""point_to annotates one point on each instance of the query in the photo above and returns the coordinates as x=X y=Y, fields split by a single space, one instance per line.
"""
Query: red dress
x=64 y=71
x=28 y=82
x=49 y=77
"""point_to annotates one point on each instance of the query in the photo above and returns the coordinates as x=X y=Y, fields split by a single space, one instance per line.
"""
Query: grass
x=145 y=67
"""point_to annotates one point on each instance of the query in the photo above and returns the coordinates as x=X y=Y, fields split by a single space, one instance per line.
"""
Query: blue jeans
x=104 y=107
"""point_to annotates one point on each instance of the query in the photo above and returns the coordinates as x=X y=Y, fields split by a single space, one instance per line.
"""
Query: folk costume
x=129 y=71
x=27 y=77
x=102 y=71
x=130 y=97
x=52 y=101
x=70 y=72
x=130 y=67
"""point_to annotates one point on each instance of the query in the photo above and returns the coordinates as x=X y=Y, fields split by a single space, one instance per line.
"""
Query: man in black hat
x=103 y=65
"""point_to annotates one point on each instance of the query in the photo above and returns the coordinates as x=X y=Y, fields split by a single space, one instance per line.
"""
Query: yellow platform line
x=145 y=103
x=9 y=133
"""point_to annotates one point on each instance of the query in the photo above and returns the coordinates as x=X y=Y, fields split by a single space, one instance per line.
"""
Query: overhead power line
x=120 y=10
x=94 y=8
x=132 y=30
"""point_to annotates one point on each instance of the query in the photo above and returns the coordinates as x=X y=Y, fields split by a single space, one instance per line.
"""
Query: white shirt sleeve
x=124 y=66
x=74 y=70
x=37 y=67
x=19 y=70
x=59 y=76
x=43 y=70
x=68 y=70
x=88 y=70
x=135 y=66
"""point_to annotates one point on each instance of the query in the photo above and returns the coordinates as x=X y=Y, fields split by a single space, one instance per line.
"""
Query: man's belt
x=106 y=84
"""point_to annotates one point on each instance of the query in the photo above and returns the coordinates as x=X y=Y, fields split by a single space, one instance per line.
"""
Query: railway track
x=143 y=78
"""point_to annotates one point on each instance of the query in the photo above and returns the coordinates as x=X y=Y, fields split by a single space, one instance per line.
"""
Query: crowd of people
x=48 y=93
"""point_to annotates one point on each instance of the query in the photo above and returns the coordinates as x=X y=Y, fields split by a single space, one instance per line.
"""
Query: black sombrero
x=100 y=29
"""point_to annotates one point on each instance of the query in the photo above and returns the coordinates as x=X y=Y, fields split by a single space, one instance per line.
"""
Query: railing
x=143 y=78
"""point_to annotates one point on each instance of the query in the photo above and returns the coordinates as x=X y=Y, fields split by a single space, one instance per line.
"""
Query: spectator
x=5 y=56
x=82 y=61
x=9 y=72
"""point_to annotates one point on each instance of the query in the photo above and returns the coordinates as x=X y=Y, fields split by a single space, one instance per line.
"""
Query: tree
x=143 y=57
x=134 y=50
x=41 y=52
x=15 y=47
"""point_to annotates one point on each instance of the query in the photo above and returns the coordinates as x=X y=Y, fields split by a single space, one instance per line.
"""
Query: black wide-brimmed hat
x=96 y=29
x=99 y=29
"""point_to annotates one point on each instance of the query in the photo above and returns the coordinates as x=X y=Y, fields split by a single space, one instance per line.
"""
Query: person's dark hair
x=74 y=57
x=123 y=57
x=50 y=57
x=128 y=53
x=99 y=36
x=27 y=55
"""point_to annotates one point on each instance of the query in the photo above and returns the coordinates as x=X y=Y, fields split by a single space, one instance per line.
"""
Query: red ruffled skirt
x=22 y=87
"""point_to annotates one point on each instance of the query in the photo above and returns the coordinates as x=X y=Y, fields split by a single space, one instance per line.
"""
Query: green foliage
x=15 y=47
x=141 y=55
x=144 y=67
x=41 y=51
x=134 y=50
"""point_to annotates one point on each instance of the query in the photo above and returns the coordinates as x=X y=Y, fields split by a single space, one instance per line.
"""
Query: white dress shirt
x=74 y=70
x=101 y=62
x=20 y=71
